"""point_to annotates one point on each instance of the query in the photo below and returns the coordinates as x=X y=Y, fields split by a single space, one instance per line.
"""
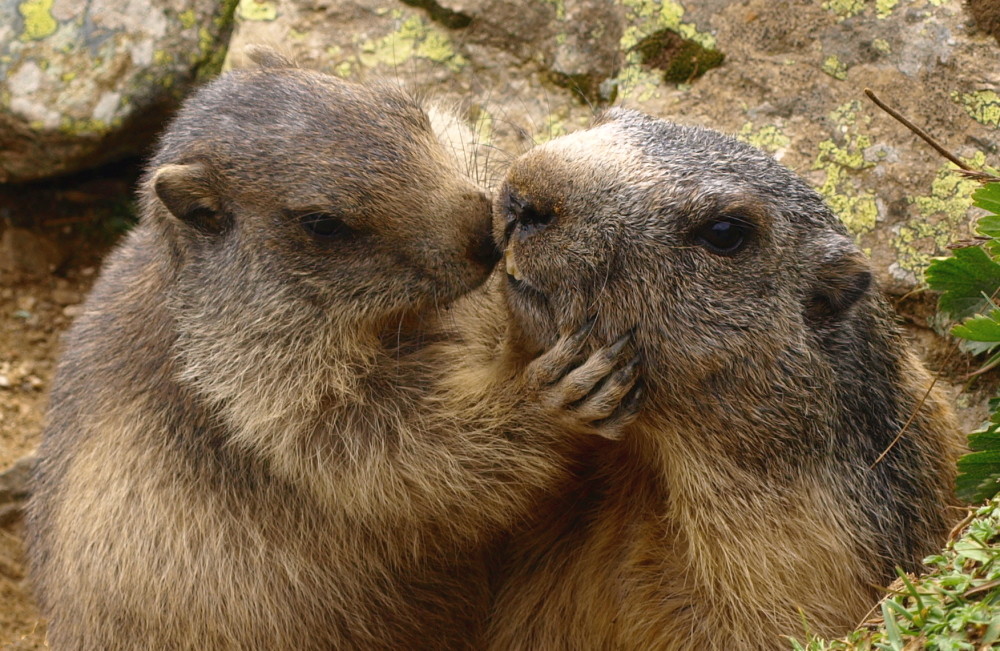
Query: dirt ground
x=73 y=223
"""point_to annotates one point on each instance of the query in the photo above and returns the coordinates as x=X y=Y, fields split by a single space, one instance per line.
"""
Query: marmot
x=747 y=501
x=242 y=451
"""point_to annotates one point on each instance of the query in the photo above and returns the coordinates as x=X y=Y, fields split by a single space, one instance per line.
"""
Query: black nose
x=525 y=217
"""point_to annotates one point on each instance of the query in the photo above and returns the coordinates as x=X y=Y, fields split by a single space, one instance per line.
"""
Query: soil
x=75 y=220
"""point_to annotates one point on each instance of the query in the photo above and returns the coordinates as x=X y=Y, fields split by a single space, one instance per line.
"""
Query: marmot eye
x=326 y=226
x=724 y=236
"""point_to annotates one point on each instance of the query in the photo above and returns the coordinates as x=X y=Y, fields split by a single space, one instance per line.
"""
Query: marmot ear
x=842 y=278
x=186 y=192
x=267 y=57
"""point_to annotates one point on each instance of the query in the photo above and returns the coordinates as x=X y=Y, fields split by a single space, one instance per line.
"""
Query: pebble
x=65 y=296
x=26 y=303
x=72 y=311
x=4 y=382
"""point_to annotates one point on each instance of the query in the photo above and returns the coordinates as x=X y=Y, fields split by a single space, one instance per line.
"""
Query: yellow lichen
x=414 y=38
x=560 y=6
x=162 y=58
x=769 y=137
x=67 y=77
x=38 y=20
x=881 y=45
x=834 y=67
x=845 y=8
x=884 y=7
x=943 y=217
x=343 y=69
x=983 y=106
x=857 y=208
x=257 y=10
x=187 y=18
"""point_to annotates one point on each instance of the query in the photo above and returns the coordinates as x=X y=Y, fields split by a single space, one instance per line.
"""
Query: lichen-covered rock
x=791 y=82
x=86 y=82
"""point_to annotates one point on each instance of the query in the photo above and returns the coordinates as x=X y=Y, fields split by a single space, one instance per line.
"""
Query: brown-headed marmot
x=246 y=448
x=748 y=494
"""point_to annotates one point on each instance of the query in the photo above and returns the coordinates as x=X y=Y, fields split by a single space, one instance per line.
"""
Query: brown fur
x=246 y=447
x=744 y=497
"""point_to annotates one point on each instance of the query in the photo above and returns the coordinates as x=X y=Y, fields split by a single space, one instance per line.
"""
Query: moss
x=680 y=59
x=442 y=15
x=257 y=10
x=983 y=106
x=38 y=20
x=768 y=138
x=213 y=47
x=643 y=18
x=82 y=127
x=834 y=67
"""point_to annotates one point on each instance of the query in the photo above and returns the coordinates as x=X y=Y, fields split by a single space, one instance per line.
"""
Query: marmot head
x=719 y=256
x=309 y=189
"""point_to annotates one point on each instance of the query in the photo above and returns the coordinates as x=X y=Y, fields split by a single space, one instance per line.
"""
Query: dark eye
x=326 y=226
x=724 y=236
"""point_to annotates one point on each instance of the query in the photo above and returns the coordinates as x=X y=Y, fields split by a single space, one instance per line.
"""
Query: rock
x=65 y=296
x=72 y=311
x=23 y=251
x=791 y=83
x=86 y=82
x=986 y=13
x=15 y=488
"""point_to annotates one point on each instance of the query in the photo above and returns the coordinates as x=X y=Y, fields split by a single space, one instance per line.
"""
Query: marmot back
x=749 y=486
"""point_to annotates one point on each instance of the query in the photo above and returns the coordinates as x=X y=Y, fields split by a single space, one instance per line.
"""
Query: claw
x=619 y=345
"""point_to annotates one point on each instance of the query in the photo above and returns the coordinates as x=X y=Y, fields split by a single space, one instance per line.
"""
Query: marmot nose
x=525 y=217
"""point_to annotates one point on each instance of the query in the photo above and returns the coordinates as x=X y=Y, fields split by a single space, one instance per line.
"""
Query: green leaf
x=965 y=280
x=988 y=198
x=989 y=225
x=891 y=628
x=985 y=440
x=978 y=475
x=980 y=328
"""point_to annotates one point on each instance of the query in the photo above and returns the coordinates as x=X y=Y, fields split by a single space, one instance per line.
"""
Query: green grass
x=955 y=605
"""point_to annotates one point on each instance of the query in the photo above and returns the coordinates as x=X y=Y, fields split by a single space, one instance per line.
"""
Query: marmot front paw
x=599 y=393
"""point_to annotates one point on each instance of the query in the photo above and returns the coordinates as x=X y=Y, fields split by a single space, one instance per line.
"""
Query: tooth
x=511 y=264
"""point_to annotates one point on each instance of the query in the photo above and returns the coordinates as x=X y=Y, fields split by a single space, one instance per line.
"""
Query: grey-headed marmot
x=748 y=494
x=245 y=446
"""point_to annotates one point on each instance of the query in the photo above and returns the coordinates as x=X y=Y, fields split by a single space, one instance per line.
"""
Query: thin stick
x=913 y=415
x=918 y=131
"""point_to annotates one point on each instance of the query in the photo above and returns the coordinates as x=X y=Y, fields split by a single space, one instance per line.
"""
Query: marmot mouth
x=526 y=290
